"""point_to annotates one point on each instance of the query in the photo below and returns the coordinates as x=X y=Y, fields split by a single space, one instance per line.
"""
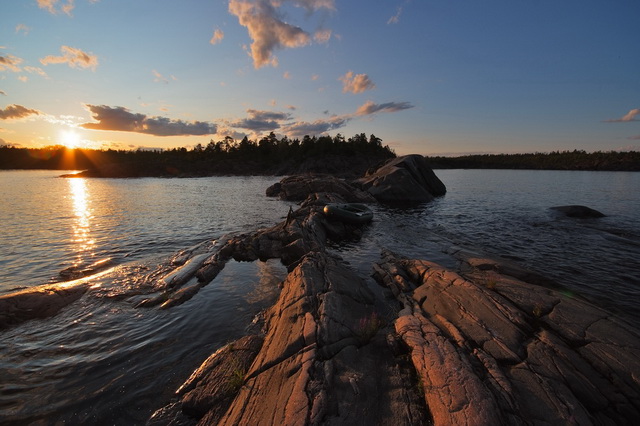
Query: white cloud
x=267 y=29
x=356 y=83
x=75 y=58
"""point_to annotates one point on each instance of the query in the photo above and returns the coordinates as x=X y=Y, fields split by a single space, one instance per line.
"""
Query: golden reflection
x=82 y=226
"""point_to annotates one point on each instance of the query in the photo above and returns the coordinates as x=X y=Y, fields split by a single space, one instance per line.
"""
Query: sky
x=432 y=77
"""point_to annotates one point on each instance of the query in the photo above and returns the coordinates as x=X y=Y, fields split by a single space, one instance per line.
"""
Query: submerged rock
x=38 y=302
x=407 y=179
x=578 y=211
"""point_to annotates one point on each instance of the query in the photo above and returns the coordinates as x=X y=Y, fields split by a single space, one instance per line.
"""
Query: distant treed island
x=336 y=155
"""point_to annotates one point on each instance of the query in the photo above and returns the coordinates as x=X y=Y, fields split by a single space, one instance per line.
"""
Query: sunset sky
x=425 y=76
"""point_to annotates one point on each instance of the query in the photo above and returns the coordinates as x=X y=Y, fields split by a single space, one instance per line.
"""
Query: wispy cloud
x=23 y=28
x=3 y=93
x=370 y=107
x=322 y=36
x=396 y=18
x=217 y=37
x=50 y=5
x=356 y=83
x=36 y=70
x=268 y=31
x=75 y=58
x=121 y=119
x=10 y=62
x=630 y=116
x=16 y=112
x=159 y=78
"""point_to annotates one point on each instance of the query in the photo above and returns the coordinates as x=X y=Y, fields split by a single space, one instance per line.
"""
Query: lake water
x=101 y=361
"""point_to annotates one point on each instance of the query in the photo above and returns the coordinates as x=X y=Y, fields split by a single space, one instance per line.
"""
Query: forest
x=267 y=156
x=340 y=156
x=556 y=160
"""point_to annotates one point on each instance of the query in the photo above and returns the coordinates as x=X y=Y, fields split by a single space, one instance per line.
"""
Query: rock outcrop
x=408 y=179
x=498 y=350
x=326 y=359
x=300 y=187
x=487 y=344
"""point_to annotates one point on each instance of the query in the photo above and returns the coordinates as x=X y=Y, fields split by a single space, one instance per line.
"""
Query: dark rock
x=38 y=302
x=407 y=179
x=578 y=211
x=299 y=187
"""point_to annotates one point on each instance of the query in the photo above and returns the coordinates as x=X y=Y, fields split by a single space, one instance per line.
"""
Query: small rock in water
x=578 y=211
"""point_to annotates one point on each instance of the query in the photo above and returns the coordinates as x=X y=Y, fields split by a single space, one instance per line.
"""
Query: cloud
x=50 y=5
x=302 y=128
x=36 y=70
x=267 y=29
x=10 y=63
x=356 y=83
x=322 y=36
x=159 y=78
x=17 y=112
x=217 y=37
x=23 y=28
x=75 y=58
x=261 y=121
x=395 y=18
x=121 y=119
x=634 y=138
x=630 y=116
x=3 y=93
x=286 y=75
x=371 y=108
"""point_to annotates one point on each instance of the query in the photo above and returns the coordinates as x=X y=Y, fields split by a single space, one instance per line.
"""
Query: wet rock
x=38 y=302
x=407 y=179
x=491 y=347
x=578 y=211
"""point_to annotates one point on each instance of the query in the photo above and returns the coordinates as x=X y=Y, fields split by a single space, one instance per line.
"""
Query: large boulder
x=406 y=179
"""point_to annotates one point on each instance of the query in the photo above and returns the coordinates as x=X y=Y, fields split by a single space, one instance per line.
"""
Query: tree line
x=556 y=160
x=268 y=155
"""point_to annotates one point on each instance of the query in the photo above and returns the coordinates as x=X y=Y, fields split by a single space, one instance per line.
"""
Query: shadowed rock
x=407 y=179
x=38 y=302
x=578 y=211
x=299 y=187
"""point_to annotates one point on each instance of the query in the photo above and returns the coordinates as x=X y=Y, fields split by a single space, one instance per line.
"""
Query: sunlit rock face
x=499 y=350
x=406 y=179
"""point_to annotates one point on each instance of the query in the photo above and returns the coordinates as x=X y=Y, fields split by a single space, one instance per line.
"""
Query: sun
x=70 y=139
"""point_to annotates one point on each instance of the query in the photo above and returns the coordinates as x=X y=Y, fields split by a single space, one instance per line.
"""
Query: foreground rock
x=326 y=359
x=498 y=350
x=407 y=179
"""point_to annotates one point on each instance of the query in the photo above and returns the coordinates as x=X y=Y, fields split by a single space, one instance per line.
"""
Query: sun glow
x=70 y=139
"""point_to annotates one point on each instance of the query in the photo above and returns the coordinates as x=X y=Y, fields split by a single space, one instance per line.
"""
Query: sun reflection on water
x=83 y=242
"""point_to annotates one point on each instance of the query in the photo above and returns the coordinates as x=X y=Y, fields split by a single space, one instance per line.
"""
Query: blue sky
x=427 y=77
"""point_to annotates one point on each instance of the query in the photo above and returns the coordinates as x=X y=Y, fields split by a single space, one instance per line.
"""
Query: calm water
x=101 y=361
